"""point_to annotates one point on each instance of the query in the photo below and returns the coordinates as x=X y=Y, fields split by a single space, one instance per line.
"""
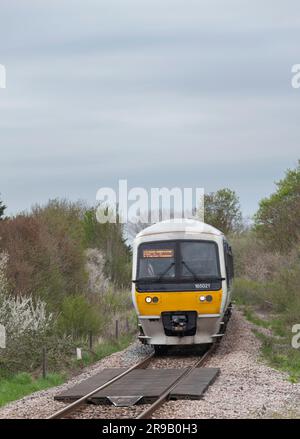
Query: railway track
x=71 y=409
x=76 y=404
x=146 y=414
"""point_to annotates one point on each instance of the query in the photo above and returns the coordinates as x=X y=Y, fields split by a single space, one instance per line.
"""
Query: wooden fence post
x=117 y=329
x=44 y=362
x=91 y=340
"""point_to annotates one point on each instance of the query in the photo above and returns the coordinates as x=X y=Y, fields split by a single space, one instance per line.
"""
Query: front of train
x=179 y=286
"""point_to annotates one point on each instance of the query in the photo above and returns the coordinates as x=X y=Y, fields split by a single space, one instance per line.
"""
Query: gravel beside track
x=246 y=387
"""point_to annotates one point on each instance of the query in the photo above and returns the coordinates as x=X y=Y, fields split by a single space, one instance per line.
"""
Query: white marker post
x=78 y=354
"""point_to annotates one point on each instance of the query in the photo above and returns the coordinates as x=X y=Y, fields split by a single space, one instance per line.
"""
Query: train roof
x=180 y=225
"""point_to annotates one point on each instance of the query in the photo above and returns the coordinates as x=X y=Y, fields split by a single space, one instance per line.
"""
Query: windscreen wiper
x=157 y=278
x=189 y=269
x=160 y=276
x=202 y=278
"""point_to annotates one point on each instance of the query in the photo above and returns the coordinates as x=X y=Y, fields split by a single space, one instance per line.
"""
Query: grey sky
x=163 y=93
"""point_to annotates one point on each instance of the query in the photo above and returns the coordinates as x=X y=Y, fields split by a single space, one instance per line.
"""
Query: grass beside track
x=22 y=384
x=276 y=347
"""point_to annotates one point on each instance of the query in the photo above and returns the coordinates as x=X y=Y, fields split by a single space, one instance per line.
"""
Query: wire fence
x=118 y=328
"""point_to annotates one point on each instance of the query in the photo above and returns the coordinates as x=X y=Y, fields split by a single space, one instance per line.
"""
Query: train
x=182 y=275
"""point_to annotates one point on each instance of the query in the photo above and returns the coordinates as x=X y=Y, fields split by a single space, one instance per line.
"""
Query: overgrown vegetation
x=53 y=294
x=268 y=272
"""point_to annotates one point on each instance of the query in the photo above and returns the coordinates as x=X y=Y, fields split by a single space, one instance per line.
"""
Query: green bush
x=248 y=292
x=78 y=317
x=24 y=353
x=114 y=301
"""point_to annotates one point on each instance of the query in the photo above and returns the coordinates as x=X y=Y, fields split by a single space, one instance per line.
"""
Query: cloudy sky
x=187 y=93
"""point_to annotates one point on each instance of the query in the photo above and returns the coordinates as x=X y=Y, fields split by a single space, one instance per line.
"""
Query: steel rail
x=74 y=405
x=146 y=414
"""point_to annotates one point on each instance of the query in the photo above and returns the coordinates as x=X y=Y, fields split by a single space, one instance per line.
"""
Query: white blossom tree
x=20 y=314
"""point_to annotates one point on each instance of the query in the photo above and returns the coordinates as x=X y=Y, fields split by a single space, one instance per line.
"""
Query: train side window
x=228 y=263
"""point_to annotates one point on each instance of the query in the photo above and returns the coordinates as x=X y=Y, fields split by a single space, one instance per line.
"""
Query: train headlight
x=148 y=299
x=202 y=298
x=154 y=299
x=209 y=298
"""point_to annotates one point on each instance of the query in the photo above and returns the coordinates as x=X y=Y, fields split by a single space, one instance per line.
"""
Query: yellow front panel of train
x=183 y=301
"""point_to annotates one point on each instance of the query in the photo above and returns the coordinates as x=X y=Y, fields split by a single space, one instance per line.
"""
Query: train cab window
x=156 y=260
x=199 y=259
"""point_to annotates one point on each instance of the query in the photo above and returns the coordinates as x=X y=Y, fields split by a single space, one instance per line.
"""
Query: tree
x=277 y=221
x=109 y=239
x=47 y=256
x=2 y=209
x=222 y=210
